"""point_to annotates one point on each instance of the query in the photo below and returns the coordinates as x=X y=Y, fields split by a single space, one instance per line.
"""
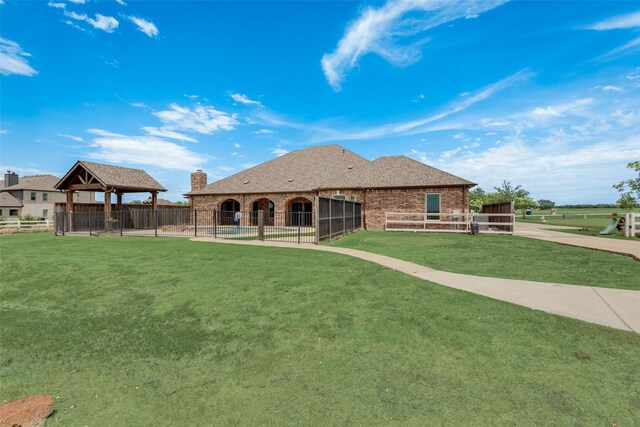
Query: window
x=13 y=212
x=339 y=196
x=33 y=196
x=45 y=197
x=433 y=206
x=45 y=212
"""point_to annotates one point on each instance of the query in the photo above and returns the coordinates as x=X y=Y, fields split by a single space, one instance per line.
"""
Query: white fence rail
x=631 y=224
x=46 y=224
x=450 y=222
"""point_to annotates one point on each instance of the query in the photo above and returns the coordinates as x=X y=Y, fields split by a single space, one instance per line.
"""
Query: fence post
x=299 y=222
x=260 y=225
x=121 y=221
x=344 y=214
x=215 y=224
x=330 y=218
x=90 y=228
x=155 y=222
x=317 y=220
x=64 y=222
x=195 y=222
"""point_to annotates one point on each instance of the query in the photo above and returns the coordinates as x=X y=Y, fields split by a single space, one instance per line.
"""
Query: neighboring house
x=161 y=202
x=291 y=182
x=33 y=195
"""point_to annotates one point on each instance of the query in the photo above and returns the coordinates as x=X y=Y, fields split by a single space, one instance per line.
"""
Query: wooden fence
x=46 y=224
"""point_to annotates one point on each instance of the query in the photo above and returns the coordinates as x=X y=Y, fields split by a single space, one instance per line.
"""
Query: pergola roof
x=89 y=176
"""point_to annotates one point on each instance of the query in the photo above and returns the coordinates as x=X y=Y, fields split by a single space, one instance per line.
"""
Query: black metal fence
x=336 y=217
x=252 y=225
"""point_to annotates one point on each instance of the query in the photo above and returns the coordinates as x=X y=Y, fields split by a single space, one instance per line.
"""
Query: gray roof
x=8 y=201
x=34 y=182
x=116 y=177
x=331 y=167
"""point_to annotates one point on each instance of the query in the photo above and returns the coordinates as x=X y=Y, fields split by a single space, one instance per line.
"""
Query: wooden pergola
x=109 y=179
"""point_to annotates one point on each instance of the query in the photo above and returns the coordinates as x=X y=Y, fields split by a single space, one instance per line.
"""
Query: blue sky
x=543 y=94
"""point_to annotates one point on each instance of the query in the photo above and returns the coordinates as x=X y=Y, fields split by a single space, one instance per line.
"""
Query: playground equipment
x=612 y=226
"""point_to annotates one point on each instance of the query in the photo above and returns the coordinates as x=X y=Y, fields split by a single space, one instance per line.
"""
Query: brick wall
x=375 y=203
x=282 y=201
x=378 y=202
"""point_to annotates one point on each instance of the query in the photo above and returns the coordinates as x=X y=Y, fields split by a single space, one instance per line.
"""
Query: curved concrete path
x=616 y=308
x=542 y=232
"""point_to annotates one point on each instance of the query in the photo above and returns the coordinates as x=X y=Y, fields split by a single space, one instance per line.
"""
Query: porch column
x=69 y=209
x=119 y=201
x=107 y=211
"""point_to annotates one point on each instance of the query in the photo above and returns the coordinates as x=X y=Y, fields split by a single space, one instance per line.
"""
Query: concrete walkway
x=615 y=308
x=542 y=232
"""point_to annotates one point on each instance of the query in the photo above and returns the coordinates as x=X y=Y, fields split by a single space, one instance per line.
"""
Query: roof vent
x=290 y=179
x=246 y=181
x=350 y=167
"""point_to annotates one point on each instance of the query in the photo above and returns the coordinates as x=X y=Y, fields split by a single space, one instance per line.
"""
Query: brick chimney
x=198 y=180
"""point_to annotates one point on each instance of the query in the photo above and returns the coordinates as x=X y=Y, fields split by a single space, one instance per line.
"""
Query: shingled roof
x=8 y=201
x=34 y=182
x=331 y=167
x=112 y=177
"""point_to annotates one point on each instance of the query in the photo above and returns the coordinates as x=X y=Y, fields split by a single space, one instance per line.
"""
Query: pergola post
x=69 y=209
x=107 y=211
x=154 y=207
x=119 y=201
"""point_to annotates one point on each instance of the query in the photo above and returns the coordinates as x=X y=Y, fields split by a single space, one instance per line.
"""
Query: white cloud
x=138 y=105
x=632 y=46
x=78 y=1
x=379 y=31
x=105 y=23
x=201 y=119
x=22 y=171
x=167 y=133
x=71 y=137
x=539 y=168
x=279 y=151
x=634 y=74
x=147 y=27
x=611 y=88
x=3 y=132
x=631 y=20
x=264 y=132
x=121 y=2
x=77 y=27
x=561 y=109
x=237 y=145
x=244 y=99
x=143 y=150
x=626 y=119
x=12 y=59
x=56 y=5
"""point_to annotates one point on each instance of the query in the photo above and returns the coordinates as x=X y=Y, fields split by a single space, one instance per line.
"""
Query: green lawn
x=505 y=256
x=145 y=331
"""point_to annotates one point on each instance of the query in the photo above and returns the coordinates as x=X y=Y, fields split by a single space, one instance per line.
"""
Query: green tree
x=546 y=204
x=627 y=201
x=477 y=198
x=523 y=204
x=631 y=185
x=507 y=192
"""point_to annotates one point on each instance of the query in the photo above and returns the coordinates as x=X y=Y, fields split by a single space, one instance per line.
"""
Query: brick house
x=33 y=195
x=291 y=182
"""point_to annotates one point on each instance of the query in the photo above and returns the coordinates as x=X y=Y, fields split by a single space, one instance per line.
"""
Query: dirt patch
x=28 y=412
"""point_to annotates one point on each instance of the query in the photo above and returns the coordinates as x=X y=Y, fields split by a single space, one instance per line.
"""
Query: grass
x=510 y=257
x=144 y=331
